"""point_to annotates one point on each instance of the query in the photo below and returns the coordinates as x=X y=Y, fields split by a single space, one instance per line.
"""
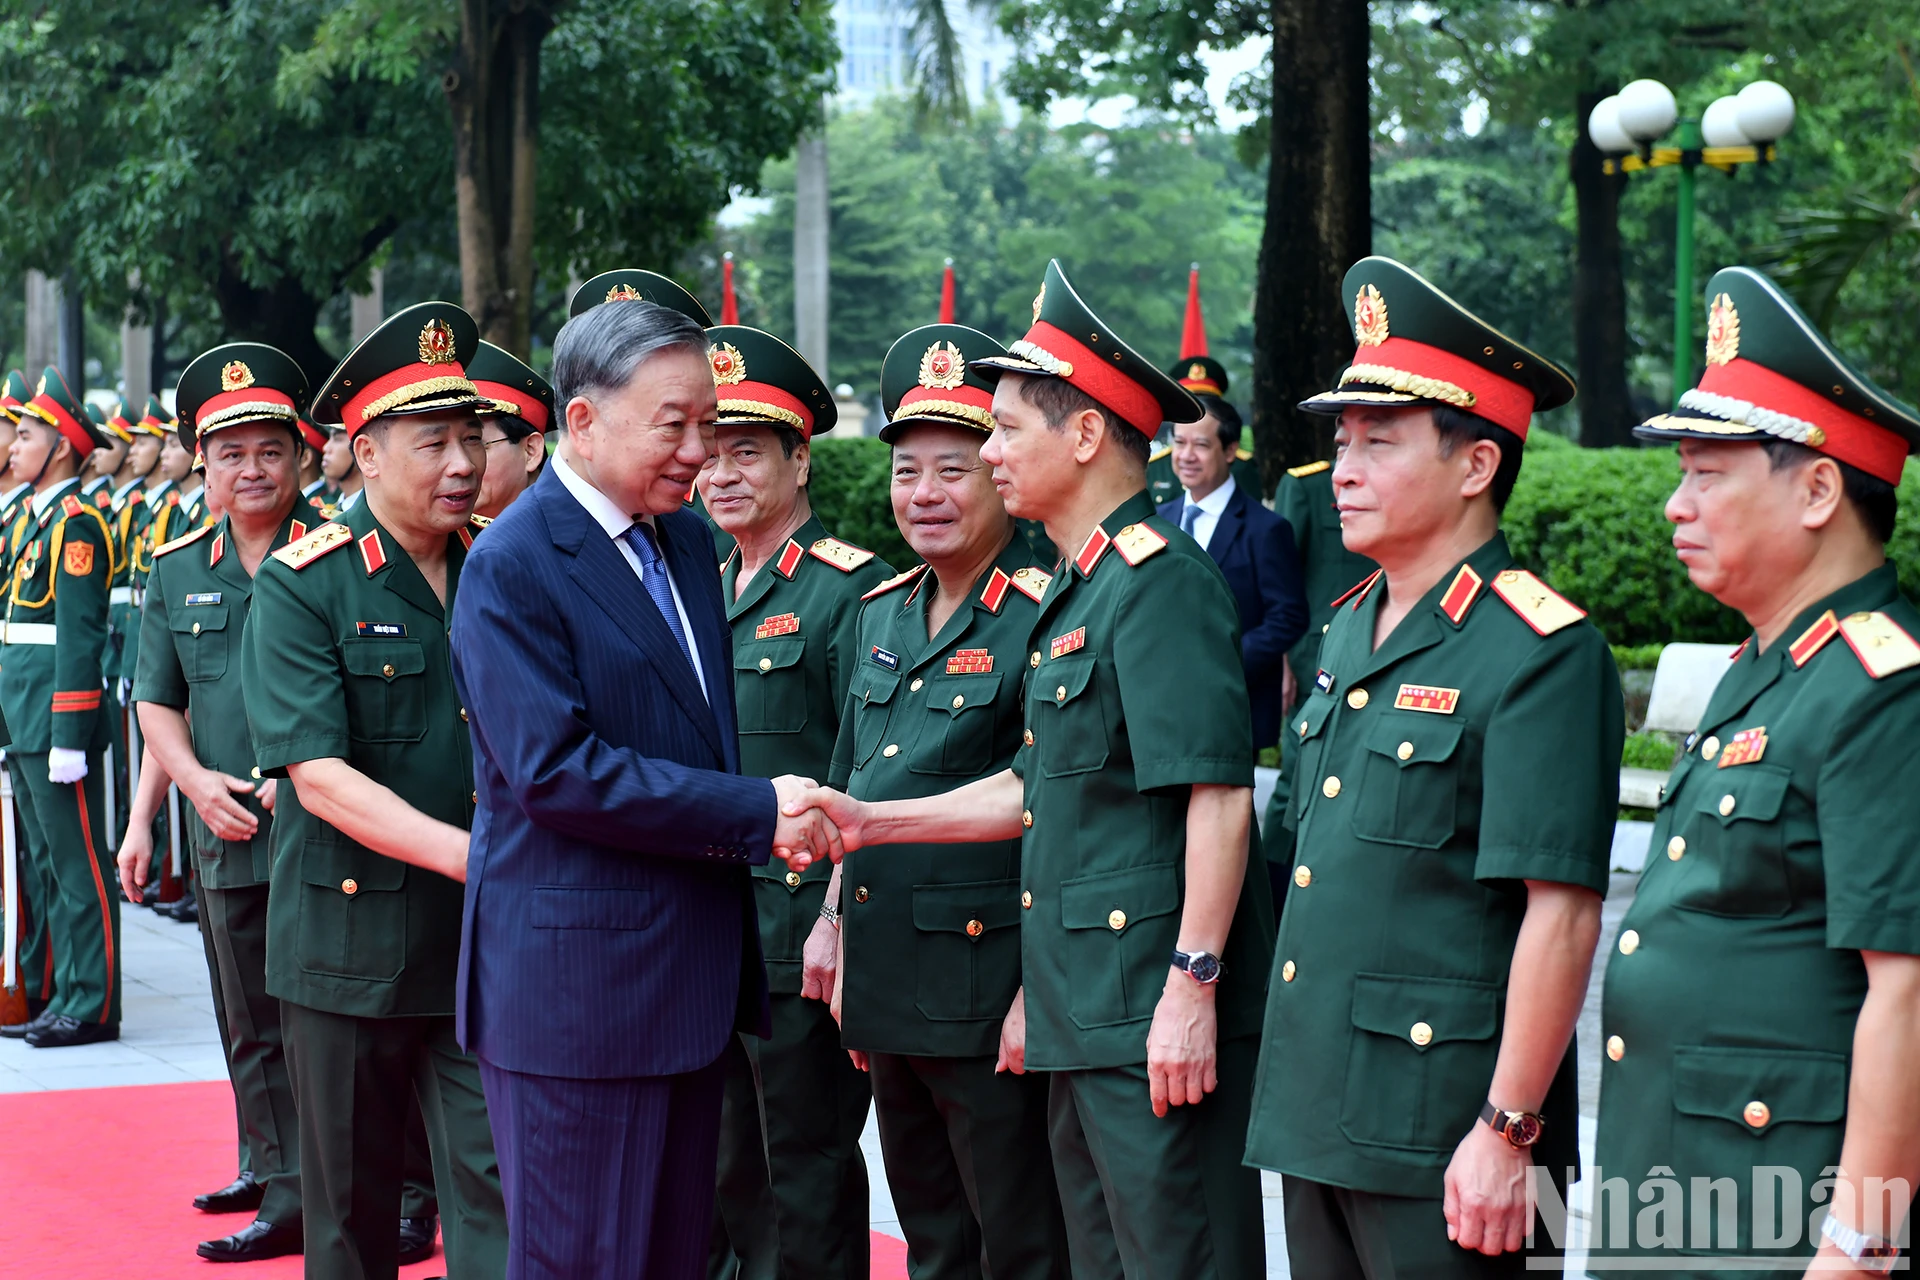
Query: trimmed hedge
x=848 y=486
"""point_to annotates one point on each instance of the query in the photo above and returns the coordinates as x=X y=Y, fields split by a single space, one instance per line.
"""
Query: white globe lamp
x=1647 y=110
x=1765 y=111
x=1603 y=126
x=1720 y=125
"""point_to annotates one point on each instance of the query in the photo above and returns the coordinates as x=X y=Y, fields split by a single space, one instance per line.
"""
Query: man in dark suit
x=609 y=947
x=1253 y=547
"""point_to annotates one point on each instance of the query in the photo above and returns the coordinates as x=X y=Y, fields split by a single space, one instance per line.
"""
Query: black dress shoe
x=416 y=1239
x=185 y=911
x=19 y=1030
x=257 y=1240
x=62 y=1032
x=242 y=1195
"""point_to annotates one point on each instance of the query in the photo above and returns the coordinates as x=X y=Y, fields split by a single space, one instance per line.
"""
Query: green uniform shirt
x=1467 y=754
x=1782 y=848
x=57 y=626
x=346 y=656
x=195 y=618
x=932 y=932
x=1327 y=569
x=794 y=646
x=1119 y=734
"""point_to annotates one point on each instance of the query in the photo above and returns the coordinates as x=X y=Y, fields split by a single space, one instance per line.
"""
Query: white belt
x=32 y=633
x=120 y=595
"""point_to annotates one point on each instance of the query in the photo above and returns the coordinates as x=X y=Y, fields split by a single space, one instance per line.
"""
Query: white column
x=811 y=216
x=136 y=358
x=43 y=323
x=369 y=308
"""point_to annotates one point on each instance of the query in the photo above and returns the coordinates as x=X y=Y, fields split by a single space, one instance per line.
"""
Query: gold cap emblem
x=235 y=376
x=436 y=343
x=624 y=293
x=40 y=387
x=1370 y=317
x=942 y=368
x=1039 y=300
x=729 y=366
x=1723 y=331
x=1197 y=371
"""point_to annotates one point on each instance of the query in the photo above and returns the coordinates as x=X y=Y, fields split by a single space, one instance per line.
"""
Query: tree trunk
x=282 y=316
x=1607 y=416
x=1319 y=223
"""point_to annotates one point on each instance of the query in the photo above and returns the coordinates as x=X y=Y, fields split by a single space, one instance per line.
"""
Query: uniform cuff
x=1880 y=931
x=274 y=757
x=1189 y=771
x=1499 y=862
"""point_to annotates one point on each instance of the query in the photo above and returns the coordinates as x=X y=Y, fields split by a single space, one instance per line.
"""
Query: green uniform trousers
x=1337 y=1234
x=417 y=1198
x=968 y=1167
x=219 y=999
x=1153 y=1198
x=83 y=903
x=811 y=1107
x=31 y=862
x=351 y=1081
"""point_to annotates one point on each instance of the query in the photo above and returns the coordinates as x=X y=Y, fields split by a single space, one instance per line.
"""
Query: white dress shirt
x=1210 y=508
x=616 y=523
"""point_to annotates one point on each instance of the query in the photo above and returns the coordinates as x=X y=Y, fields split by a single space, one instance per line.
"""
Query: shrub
x=1637 y=657
x=848 y=487
x=1649 y=749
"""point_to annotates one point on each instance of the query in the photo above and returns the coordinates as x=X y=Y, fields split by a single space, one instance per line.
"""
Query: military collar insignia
x=218 y=550
x=372 y=554
x=1358 y=591
x=885 y=657
x=729 y=366
x=1370 y=317
x=475 y=525
x=789 y=560
x=780 y=624
x=1814 y=639
x=1745 y=747
x=1420 y=697
x=1539 y=606
x=1138 y=541
x=1723 y=331
x=1880 y=643
x=996 y=590
x=1461 y=594
x=942 y=368
x=235 y=376
x=295 y=530
x=72 y=505
x=897 y=580
x=1744 y=646
x=436 y=342
x=969 y=662
x=1091 y=550
x=843 y=556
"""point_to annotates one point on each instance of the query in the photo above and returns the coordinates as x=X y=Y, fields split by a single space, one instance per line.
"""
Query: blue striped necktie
x=653 y=576
x=1189 y=518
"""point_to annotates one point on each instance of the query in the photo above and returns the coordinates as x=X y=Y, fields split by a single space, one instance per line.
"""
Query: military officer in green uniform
x=932 y=935
x=1763 y=995
x=350 y=695
x=318 y=492
x=129 y=517
x=516 y=425
x=52 y=696
x=237 y=404
x=792 y=593
x=1145 y=925
x=1459 y=757
x=1206 y=380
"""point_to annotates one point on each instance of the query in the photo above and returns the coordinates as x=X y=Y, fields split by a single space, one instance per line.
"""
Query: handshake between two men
x=816 y=822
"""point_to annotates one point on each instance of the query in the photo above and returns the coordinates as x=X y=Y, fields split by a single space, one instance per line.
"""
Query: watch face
x=1523 y=1130
x=1204 y=968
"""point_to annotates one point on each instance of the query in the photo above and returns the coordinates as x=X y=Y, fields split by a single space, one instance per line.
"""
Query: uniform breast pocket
x=1735 y=842
x=353 y=915
x=1305 y=735
x=200 y=638
x=873 y=710
x=1121 y=929
x=956 y=730
x=1069 y=722
x=969 y=949
x=1411 y=783
x=386 y=689
x=770 y=685
x=1418 y=1050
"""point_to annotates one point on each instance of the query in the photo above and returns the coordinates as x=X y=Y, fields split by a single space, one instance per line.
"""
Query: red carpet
x=98 y=1184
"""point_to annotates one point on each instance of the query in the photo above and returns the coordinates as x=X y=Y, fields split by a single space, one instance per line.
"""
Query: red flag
x=729 y=308
x=946 y=294
x=1193 y=335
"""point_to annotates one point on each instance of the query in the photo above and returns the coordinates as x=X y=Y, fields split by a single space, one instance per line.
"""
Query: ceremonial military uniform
x=932 y=938
x=346 y=657
x=1113 y=741
x=1476 y=748
x=1782 y=849
x=794 y=637
x=51 y=692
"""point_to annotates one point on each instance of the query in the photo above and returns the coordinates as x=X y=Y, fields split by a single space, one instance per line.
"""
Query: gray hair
x=601 y=349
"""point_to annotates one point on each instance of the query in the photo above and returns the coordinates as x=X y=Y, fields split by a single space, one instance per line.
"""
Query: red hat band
x=49 y=411
x=1753 y=395
x=1418 y=369
x=768 y=401
x=512 y=400
x=970 y=403
x=252 y=402
x=316 y=438
x=391 y=390
x=1086 y=369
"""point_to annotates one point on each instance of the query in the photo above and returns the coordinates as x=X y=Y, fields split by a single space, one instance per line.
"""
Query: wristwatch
x=830 y=913
x=1521 y=1129
x=1202 y=966
x=1869 y=1253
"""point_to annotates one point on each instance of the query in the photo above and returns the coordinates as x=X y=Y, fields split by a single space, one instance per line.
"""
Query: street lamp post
x=1734 y=130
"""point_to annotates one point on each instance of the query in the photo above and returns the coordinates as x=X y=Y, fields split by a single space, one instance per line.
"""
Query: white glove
x=65 y=765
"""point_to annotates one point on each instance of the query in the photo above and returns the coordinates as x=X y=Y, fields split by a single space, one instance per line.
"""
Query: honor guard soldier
x=1761 y=997
x=129 y=513
x=350 y=695
x=96 y=484
x=341 y=472
x=515 y=421
x=792 y=593
x=316 y=491
x=237 y=406
x=1459 y=757
x=51 y=692
x=932 y=933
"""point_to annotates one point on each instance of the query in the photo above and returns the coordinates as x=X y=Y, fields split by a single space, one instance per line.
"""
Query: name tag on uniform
x=969 y=662
x=1323 y=680
x=1420 y=697
x=1747 y=746
x=1074 y=639
x=782 y=624
x=203 y=597
x=887 y=659
x=384 y=630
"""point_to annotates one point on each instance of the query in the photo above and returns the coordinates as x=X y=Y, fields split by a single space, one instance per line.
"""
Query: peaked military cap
x=108 y=431
x=237 y=383
x=414 y=363
x=54 y=403
x=120 y=421
x=14 y=394
x=315 y=438
x=519 y=399
x=632 y=285
x=1771 y=375
x=1069 y=342
x=153 y=420
x=928 y=378
x=1202 y=375
x=1420 y=347
x=764 y=382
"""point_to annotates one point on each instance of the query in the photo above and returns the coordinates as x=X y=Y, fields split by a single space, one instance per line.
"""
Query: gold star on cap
x=624 y=293
x=436 y=343
x=235 y=376
x=1370 y=317
x=729 y=366
x=942 y=368
x=1723 y=331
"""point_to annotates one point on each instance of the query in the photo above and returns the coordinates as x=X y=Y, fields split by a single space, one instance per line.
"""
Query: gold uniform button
x=1060 y=694
x=463 y=715
x=1357 y=699
x=1757 y=1114
x=1421 y=1034
x=793 y=879
x=256 y=771
x=1116 y=920
x=1331 y=787
x=1616 y=1048
x=1026 y=817
x=975 y=928
x=1710 y=748
x=386 y=671
x=196 y=631
x=893 y=749
x=1629 y=942
x=1026 y=900
x=915 y=686
x=1033 y=660
x=1303 y=728
x=1303 y=876
x=958 y=701
x=1287 y=971
x=1676 y=848
x=766 y=664
x=476 y=797
x=1324 y=626
x=1027 y=737
x=1404 y=751
x=1726 y=805
x=860 y=894
x=349 y=887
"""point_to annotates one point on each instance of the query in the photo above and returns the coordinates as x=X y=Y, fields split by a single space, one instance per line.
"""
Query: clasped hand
x=812 y=822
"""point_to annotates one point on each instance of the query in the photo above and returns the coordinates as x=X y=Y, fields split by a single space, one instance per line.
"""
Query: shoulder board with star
x=185 y=539
x=897 y=581
x=1136 y=542
x=328 y=537
x=479 y=521
x=1242 y=454
x=1882 y=645
x=843 y=556
x=1032 y=582
x=1165 y=450
x=1309 y=469
x=1539 y=606
x=472 y=529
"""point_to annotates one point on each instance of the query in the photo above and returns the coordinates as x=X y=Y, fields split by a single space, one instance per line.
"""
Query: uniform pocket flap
x=331 y=865
x=1744 y=792
x=1096 y=902
x=874 y=686
x=201 y=617
x=1424 y=1011
x=1312 y=716
x=1061 y=682
x=955 y=696
x=971 y=909
x=388 y=659
x=1406 y=741
x=769 y=655
x=1759 y=1088
x=591 y=907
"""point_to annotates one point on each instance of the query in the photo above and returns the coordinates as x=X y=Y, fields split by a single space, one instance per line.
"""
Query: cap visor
x=433 y=404
x=1684 y=424
x=989 y=368
x=893 y=429
x=1332 y=402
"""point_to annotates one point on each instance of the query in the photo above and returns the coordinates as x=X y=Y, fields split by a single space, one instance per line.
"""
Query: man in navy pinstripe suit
x=609 y=946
